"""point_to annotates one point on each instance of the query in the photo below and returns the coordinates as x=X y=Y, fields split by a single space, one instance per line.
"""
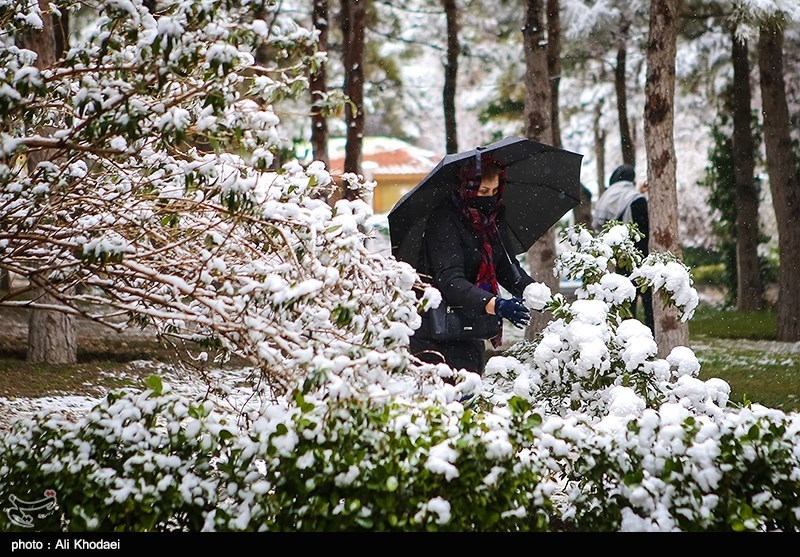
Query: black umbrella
x=542 y=184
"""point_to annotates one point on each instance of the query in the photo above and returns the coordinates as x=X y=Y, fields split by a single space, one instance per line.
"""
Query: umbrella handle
x=503 y=245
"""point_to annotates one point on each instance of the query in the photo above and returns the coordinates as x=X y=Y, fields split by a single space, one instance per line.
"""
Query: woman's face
x=489 y=186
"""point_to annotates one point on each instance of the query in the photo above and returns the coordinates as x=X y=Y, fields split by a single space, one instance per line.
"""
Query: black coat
x=454 y=256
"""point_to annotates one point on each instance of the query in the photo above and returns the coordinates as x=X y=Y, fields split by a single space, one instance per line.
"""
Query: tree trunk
x=43 y=41
x=61 y=33
x=5 y=281
x=51 y=334
x=450 y=76
x=620 y=84
x=748 y=294
x=783 y=182
x=554 y=66
x=660 y=144
x=354 y=22
x=583 y=212
x=318 y=85
x=538 y=127
x=600 y=149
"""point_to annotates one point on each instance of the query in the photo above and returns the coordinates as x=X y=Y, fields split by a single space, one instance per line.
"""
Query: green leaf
x=154 y=382
x=745 y=511
x=634 y=477
x=518 y=405
x=534 y=420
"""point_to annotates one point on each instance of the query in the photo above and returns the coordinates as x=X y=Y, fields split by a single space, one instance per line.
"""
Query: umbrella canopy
x=542 y=184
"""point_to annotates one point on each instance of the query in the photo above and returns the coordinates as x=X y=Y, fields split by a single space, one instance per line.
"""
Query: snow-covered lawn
x=234 y=388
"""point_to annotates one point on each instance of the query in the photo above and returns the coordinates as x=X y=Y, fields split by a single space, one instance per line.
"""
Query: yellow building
x=393 y=164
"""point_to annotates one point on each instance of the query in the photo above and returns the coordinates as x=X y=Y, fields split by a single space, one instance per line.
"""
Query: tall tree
x=748 y=294
x=782 y=170
x=621 y=87
x=318 y=86
x=554 y=65
x=539 y=127
x=451 y=75
x=354 y=16
x=660 y=144
x=52 y=336
x=582 y=213
x=600 y=148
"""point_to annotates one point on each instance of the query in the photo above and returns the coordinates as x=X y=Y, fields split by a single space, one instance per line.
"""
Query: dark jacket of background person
x=624 y=203
x=454 y=257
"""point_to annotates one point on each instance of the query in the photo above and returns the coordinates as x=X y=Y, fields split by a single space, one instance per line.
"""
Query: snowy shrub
x=149 y=183
x=669 y=470
x=641 y=442
x=157 y=461
x=316 y=462
x=139 y=461
x=593 y=345
x=396 y=464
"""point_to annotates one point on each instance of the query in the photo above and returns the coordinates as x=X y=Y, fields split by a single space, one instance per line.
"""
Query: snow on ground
x=233 y=390
x=768 y=347
x=71 y=406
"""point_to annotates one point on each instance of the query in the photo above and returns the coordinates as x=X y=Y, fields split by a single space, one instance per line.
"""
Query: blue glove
x=513 y=310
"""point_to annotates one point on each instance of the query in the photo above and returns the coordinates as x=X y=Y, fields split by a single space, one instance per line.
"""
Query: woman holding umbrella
x=466 y=260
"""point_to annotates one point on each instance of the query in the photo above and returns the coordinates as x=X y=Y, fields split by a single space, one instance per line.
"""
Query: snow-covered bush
x=671 y=470
x=157 y=461
x=641 y=442
x=140 y=168
x=592 y=345
x=137 y=461
x=395 y=464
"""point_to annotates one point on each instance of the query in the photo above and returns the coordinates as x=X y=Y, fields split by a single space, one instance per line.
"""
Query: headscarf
x=485 y=226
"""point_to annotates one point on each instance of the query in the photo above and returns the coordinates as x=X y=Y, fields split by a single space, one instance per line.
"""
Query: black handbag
x=448 y=323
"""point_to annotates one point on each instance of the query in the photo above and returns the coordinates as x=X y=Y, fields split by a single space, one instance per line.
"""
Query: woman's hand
x=513 y=310
x=490 y=307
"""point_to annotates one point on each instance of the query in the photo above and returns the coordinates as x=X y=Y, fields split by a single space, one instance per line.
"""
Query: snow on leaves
x=150 y=180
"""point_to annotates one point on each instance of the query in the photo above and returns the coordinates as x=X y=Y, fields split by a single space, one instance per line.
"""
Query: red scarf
x=485 y=226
